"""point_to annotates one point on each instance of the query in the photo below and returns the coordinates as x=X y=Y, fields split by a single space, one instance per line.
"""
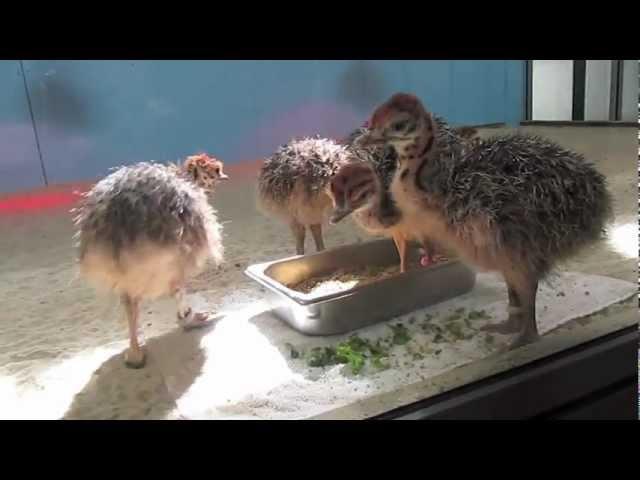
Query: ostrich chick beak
x=339 y=213
x=372 y=138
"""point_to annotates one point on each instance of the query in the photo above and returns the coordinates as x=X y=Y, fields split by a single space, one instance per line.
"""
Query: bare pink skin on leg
x=187 y=318
x=426 y=257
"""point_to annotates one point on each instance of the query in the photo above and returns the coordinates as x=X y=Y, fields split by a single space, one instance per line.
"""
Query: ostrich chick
x=356 y=189
x=144 y=230
x=516 y=204
x=293 y=186
x=362 y=188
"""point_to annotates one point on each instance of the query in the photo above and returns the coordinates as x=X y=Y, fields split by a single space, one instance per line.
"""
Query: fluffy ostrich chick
x=293 y=186
x=361 y=188
x=516 y=204
x=144 y=230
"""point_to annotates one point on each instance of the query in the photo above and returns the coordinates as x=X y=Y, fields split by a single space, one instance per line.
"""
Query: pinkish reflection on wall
x=317 y=118
x=71 y=152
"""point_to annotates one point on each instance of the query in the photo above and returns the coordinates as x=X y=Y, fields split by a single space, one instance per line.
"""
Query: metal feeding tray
x=362 y=305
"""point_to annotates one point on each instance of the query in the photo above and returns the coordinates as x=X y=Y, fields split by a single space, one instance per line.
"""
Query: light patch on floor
x=231 y=355
x=624 y=239
x=53 y=390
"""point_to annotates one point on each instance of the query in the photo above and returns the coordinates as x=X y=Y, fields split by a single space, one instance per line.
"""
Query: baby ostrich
x=360 y=187
x=468 y=134
x=144 y=230
x=293 y=186
x=363 y=188
x=516 y=204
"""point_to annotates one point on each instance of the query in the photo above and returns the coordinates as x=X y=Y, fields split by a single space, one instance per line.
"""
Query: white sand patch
x=624 y=239
x=244 y=370
x=240 y=367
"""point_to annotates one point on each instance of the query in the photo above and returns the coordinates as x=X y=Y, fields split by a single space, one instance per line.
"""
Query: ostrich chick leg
x=316 y=231
x=522 y=316
x=529 y=331
x=426 y=253
x=186 y=316
x=299 y=233
x=513 y=323
x=135 y=356
x=401 y=246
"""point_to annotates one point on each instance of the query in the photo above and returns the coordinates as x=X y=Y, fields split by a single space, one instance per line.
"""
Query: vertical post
x=615 y=99
x=579 y=81
x=528 y=89
x=33 y=124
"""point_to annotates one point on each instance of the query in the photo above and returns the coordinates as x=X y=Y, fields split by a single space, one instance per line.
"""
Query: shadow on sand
x=174 y=361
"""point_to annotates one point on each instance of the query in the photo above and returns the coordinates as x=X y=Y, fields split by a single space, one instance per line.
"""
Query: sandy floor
x=54 y=330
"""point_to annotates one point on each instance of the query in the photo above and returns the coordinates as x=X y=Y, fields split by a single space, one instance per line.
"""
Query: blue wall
x=92 y=115
x=19 y=163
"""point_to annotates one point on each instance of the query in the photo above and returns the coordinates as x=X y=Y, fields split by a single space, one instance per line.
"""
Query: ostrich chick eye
x=398 y=126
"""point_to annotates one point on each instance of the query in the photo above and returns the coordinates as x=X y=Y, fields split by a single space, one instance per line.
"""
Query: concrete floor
x=50 y=319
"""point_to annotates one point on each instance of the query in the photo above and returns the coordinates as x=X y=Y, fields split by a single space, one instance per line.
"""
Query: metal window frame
x=594 y=380
x=615 y=102
x=579 y=90
x=528 y=90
